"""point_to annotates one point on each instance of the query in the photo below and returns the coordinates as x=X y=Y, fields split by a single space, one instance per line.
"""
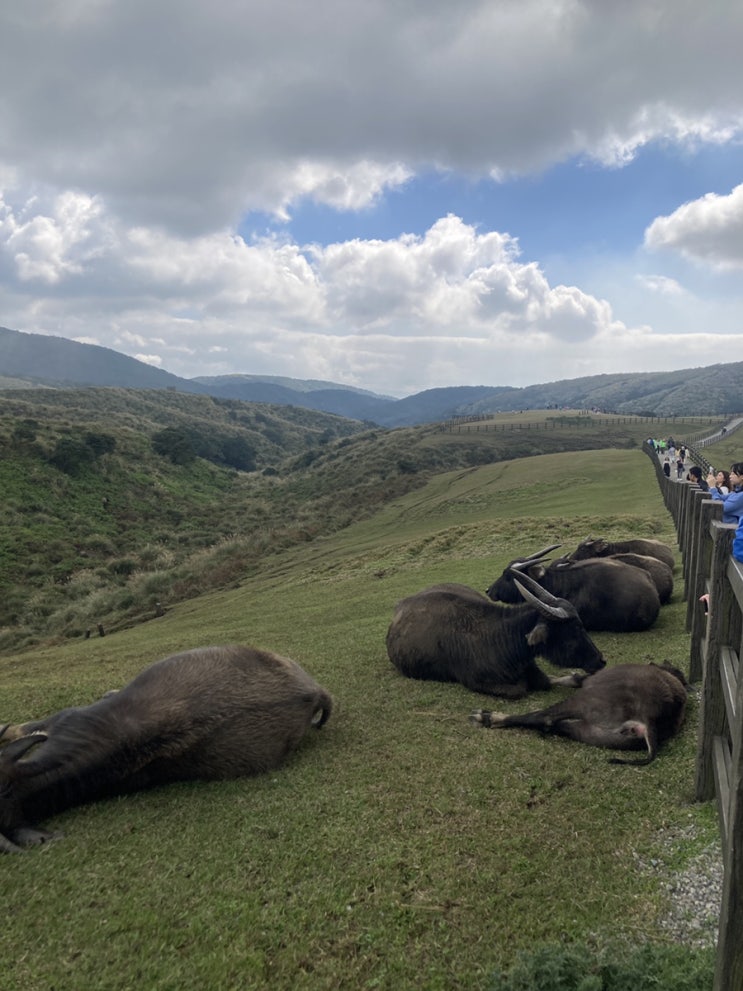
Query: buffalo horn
x=543 y=553
x=523 y=561
x=540 y=598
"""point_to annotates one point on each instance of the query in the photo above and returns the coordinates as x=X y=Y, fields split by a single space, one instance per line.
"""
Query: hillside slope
x=117 y=500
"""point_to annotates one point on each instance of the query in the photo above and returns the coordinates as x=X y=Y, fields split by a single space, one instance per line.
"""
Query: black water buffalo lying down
x=661 y=574
x=597 y=547
x=209 y=713
x=454 y=633
x=608 y=595
x=626 y=707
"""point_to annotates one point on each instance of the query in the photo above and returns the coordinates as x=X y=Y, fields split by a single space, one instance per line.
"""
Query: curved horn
x=540 y=598
x=523 y=562
x=19 y=748
x=540 y=554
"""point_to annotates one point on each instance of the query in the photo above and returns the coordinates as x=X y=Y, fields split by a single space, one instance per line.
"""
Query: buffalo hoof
x=483 y=717
x=24 y=836
x=574 y=680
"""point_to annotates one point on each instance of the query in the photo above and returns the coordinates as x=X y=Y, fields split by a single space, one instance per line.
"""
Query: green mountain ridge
x=46 y=361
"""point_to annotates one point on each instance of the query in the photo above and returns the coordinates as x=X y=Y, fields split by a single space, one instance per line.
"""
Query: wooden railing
x=487 y=422
x=712 y=576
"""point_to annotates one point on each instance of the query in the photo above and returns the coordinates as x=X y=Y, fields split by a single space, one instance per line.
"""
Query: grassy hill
x=401 y=847
x=119 y=503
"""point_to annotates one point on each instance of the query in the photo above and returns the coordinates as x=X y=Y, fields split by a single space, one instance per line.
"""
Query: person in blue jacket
x=732 y=502
x=738 y=542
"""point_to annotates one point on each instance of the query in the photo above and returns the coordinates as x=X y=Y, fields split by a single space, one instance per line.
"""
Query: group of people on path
x=671 y=458
x=725 y=486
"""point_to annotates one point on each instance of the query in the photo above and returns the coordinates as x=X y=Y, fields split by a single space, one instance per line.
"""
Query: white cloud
x=186 y=115
x=49 y=246
x=394 y=315
x=709 y=230
x=662 y=284
x=149 y=130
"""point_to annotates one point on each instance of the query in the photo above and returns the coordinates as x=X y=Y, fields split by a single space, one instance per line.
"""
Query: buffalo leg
x=574 y=680
x=629 y=735
x=10 y=732
x=540 y=720
x=535 y=680
x=516 y=690
x=16 y=731
x=23 y=836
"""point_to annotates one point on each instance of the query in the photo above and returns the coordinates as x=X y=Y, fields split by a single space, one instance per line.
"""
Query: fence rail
x=486 y=422
x=716 y=647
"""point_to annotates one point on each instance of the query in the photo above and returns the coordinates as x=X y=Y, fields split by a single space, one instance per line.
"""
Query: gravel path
x=694 y=893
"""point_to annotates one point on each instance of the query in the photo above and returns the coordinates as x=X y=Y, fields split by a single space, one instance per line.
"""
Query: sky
x=394 y=195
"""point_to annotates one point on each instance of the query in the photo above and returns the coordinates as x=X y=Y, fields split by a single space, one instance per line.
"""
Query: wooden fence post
x=709 y=510
x=729 y=961
x=712 y=703
x=694 y=584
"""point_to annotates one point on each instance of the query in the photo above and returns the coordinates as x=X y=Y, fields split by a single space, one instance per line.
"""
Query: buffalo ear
x=538 y=634
x=537 y=572
x=676 y=672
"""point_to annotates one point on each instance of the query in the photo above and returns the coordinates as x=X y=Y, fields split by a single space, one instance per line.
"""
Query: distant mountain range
x=40 y=361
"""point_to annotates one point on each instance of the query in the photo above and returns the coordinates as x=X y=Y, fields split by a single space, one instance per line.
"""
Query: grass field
x=400 y=847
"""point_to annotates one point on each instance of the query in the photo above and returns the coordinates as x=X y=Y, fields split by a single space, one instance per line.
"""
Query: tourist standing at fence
x=722 y=482
x=667 y=467
x=695 y=477
x=732 y=502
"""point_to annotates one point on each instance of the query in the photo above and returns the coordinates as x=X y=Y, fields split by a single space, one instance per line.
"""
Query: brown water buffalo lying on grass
x=626 y=707
x=608 y=595
x=209 y=713
x=597 y=547
x=454 y=633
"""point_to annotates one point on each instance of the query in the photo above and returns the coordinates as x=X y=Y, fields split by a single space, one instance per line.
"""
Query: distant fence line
x=484 y=422
x=716 y=646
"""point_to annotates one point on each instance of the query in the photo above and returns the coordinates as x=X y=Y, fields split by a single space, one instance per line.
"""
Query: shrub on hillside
x=174 y=444
x=238 y=453
x=72 y=456
x=579 y=968
x=100 y=444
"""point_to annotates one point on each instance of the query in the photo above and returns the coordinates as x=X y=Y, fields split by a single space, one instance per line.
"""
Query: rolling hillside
x=116 y=500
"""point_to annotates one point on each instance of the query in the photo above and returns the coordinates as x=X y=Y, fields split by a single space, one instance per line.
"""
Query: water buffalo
x=454 y=633
x=597 y=547
x=209 y=713
x=626 y=707
x=608 y=595
x=661 y=574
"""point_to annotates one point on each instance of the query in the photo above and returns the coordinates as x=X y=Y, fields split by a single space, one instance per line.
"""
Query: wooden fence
x=716 y=646
x=486 y=422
